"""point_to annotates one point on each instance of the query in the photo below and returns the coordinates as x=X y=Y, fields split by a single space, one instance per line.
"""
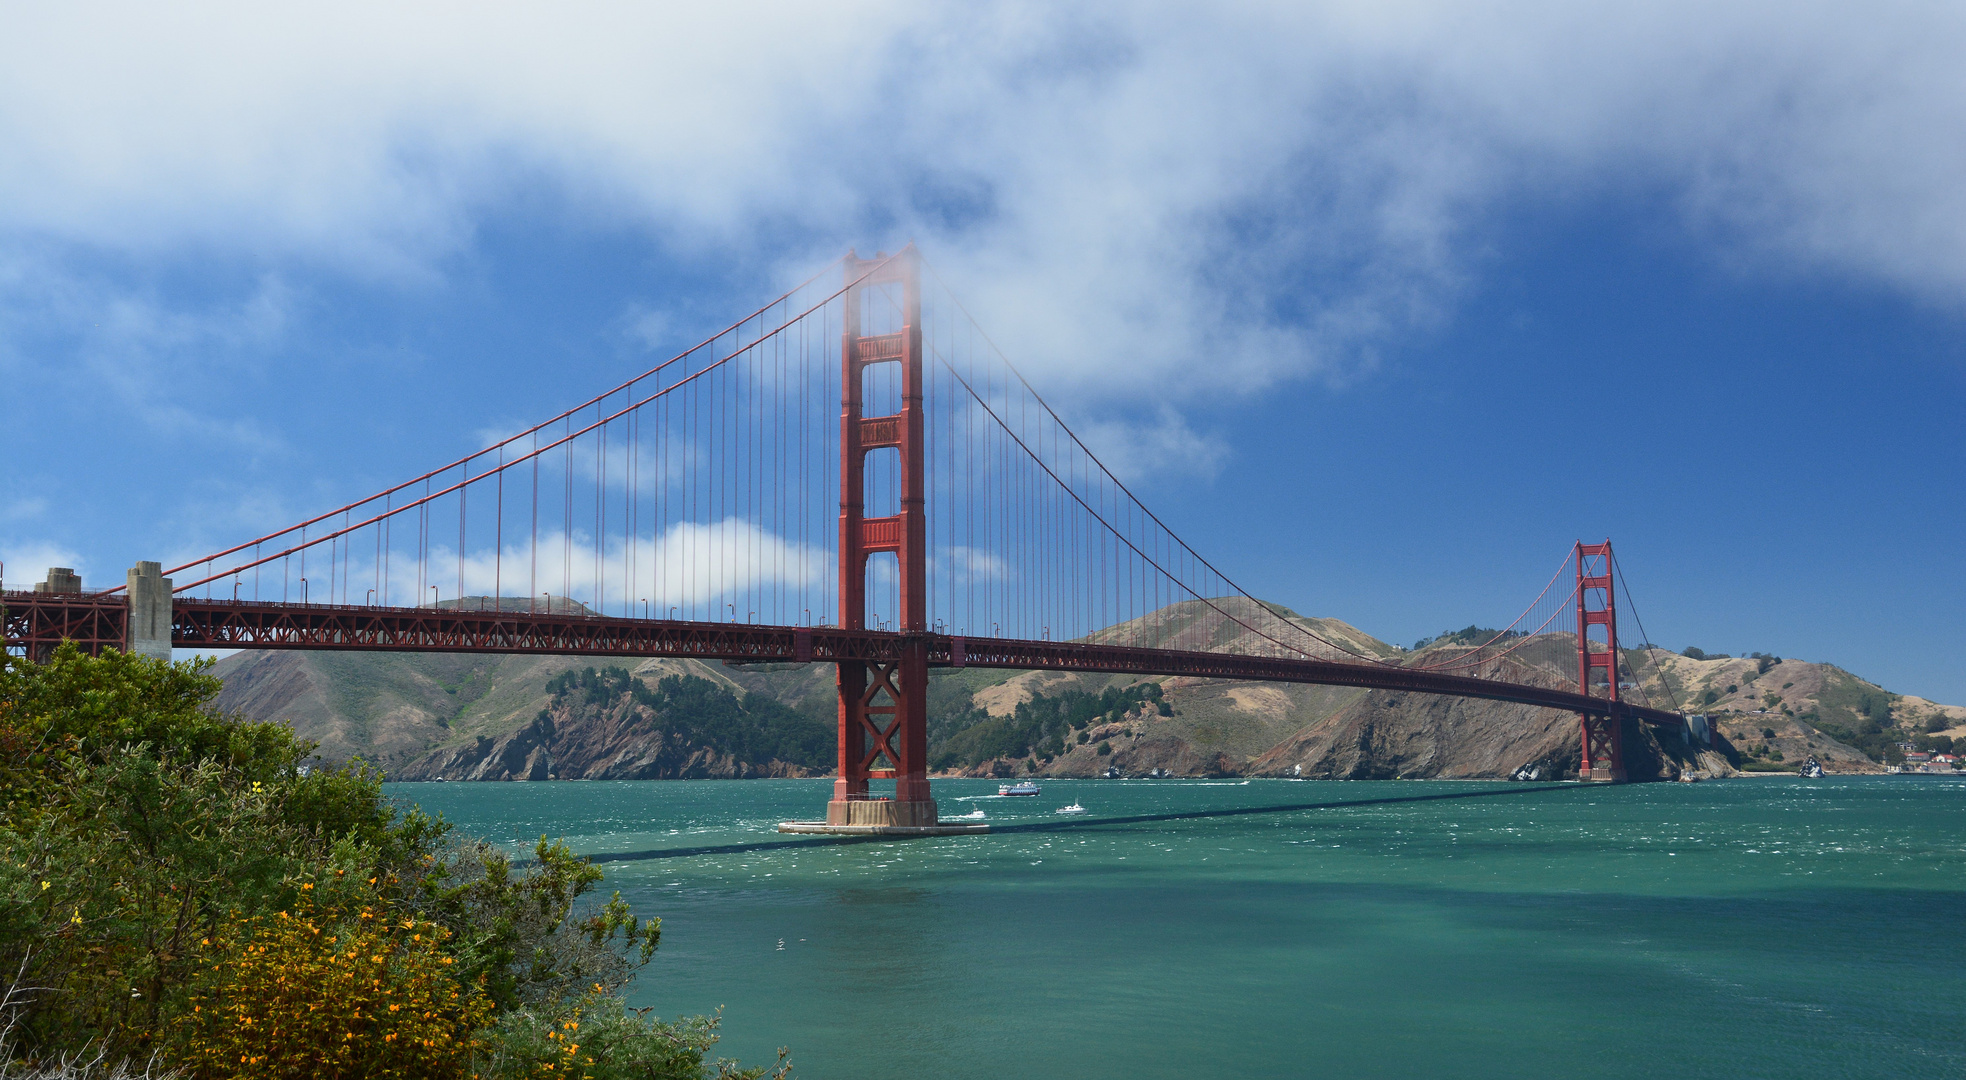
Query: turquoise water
x=1749 y=928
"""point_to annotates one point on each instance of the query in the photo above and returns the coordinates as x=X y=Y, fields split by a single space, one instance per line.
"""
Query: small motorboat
x=973 y=815
x=1022 y=787
x=1075 y=808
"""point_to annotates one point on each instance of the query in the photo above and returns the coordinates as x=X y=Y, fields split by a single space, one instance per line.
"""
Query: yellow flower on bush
x=312 y=993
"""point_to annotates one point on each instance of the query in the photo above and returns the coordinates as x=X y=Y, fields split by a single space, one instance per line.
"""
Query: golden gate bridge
x=714 y=507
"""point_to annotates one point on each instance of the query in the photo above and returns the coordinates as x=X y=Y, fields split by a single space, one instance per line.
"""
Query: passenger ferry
x=1022 y=787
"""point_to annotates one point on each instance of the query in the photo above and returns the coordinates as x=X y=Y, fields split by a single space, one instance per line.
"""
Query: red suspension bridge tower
x=883 y=704
x=1603 y=745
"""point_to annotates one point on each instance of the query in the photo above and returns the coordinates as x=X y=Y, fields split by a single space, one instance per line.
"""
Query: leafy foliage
x=516 y=935
x=599 y=1039
x=315 y=992
x=176 y=887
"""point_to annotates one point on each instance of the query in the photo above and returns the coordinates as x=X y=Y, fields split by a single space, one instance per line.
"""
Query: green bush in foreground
x=161 y=866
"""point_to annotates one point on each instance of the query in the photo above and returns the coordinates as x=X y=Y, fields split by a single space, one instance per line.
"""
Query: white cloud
x=65 y=334
x=705 y=570
x=1163 y=445
x=26 y=562
x=966 y=565
x=1131 y=196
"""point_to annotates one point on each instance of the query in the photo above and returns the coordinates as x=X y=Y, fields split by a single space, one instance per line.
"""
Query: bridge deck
x=95 y=619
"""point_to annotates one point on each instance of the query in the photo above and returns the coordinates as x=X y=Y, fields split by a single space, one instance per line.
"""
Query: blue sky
x=1407 y=298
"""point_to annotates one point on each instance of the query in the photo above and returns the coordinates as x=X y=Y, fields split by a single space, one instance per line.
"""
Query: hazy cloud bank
x=1233 y=195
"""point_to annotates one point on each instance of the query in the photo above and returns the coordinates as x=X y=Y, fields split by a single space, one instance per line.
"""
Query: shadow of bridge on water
x=1062 y=825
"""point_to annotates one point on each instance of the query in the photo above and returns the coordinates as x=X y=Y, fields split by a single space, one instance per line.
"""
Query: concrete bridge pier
x=60 y=579
x=149 y=632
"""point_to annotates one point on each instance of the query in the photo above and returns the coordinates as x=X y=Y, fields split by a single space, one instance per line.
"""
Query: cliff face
x=619 y=741
x=385 y=708
x=1389 y=735
x=402 y=711
x=610 y=724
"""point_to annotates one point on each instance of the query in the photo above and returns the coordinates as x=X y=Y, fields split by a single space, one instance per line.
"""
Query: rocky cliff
x=617 y=742
x=424 y=715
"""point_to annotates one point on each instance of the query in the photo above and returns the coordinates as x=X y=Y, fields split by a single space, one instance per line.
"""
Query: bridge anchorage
x=701 y=511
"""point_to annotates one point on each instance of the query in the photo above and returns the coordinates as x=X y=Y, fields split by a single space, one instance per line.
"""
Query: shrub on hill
x=1933 y=744
x=175 y=887
x=1468 y=635
x=754 y=728
x=1040 y=725
x=1853 y=711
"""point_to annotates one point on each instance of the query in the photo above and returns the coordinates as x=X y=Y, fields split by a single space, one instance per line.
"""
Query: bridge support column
x=1601 y=736
x=149 y=628
x=60 y=579
x=883 y=706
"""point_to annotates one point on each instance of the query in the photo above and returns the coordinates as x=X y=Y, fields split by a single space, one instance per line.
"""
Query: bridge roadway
x=38 y=620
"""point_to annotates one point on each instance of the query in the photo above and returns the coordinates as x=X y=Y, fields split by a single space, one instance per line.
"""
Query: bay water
x=1762 y=927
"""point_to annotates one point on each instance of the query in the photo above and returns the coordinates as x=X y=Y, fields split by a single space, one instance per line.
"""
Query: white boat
x=1022 y=787
x=973 y=815
x=1075 y=808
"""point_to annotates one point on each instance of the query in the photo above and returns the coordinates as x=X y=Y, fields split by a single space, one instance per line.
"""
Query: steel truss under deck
x=38 y=621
